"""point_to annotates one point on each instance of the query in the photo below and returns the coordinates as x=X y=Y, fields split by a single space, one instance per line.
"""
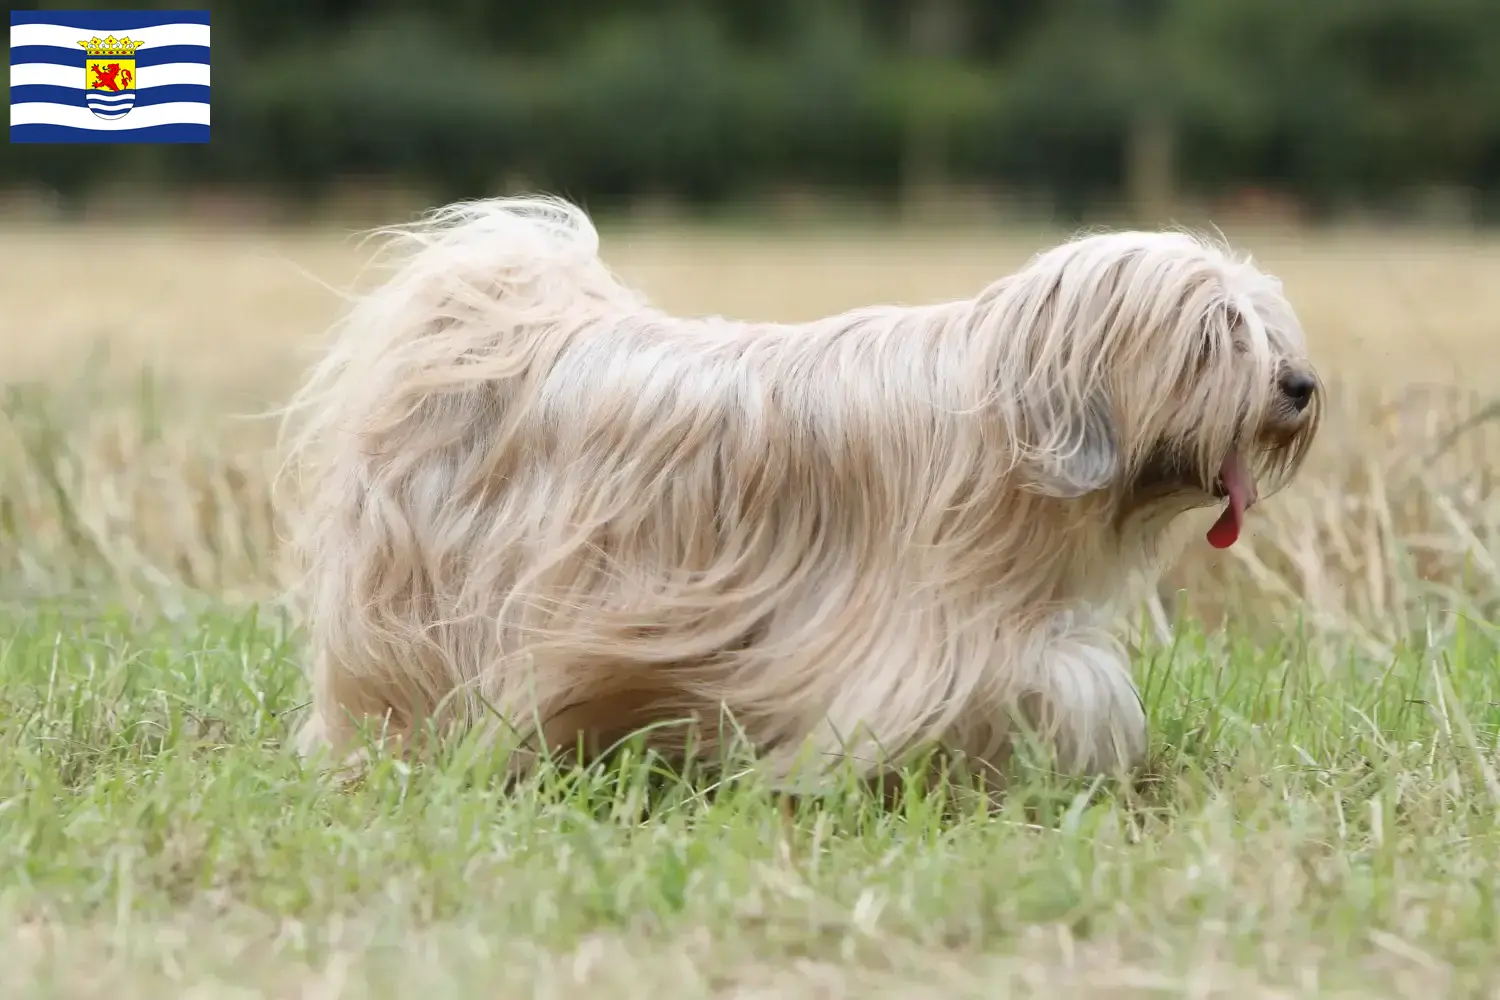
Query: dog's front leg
x=1084 y=705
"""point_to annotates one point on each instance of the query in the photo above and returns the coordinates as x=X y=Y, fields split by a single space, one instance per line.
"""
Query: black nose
x=1298 y=388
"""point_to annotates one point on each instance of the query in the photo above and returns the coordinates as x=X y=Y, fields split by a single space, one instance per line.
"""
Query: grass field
x=1319 y=818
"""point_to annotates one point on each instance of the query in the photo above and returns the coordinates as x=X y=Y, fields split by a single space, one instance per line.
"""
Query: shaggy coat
x=530 y=500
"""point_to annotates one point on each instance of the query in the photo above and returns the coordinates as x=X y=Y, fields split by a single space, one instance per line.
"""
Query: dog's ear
x=1077 y=451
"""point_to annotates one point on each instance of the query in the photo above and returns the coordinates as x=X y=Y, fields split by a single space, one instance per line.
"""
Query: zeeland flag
x=109 y=76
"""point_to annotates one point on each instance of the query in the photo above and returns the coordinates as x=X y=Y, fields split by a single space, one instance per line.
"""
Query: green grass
x=1312 y=824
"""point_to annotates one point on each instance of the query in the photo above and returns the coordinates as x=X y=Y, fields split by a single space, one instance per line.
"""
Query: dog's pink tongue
x=1241 y=489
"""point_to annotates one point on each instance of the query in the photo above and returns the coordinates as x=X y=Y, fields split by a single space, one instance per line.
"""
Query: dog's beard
x=1169 y=475
x=1275 y=453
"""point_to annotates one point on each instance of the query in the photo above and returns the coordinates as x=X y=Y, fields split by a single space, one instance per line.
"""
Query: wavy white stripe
x=179 y=113
x=68 y=38
x=95 y=97
x=47 y=74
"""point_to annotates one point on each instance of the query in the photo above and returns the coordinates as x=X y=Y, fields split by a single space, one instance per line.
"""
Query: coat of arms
x=109 y=76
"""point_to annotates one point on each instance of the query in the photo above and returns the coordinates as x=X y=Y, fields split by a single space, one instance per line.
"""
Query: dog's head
x=1157 y=371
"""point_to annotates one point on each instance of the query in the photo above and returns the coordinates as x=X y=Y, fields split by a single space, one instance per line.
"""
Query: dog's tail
x=475 y=291
x=470 y=276
x=538 y=251
x=476 y=295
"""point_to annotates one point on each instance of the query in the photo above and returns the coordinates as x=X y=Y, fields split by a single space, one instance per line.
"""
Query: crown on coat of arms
x=111 y=46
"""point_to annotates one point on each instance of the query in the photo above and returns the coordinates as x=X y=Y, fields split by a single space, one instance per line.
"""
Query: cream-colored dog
x=533 y=501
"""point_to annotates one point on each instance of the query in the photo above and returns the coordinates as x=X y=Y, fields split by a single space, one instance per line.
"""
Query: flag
x=109 y=76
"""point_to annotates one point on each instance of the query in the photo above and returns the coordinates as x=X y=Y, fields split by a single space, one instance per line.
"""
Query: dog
x=531 y=501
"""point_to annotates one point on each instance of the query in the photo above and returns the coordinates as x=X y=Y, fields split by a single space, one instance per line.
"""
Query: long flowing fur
x=530 y=499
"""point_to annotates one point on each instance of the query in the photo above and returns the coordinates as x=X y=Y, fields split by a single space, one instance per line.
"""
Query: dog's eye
x=1226 y=338
x=1216 y=342
x=1207 y=350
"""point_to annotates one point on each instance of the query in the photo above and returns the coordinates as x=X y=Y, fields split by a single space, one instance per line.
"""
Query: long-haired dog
x=535 y=502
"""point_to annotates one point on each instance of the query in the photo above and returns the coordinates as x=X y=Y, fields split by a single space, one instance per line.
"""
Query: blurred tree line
x=1332 y=102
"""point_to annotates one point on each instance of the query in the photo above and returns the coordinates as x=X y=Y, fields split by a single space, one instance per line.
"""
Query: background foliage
x=1331 y=103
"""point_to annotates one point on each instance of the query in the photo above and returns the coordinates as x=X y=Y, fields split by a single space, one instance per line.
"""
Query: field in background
x=1325 y=697
x=154 y=385
x=230 y=310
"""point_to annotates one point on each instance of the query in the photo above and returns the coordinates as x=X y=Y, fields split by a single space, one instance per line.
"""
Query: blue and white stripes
x=167 y=96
